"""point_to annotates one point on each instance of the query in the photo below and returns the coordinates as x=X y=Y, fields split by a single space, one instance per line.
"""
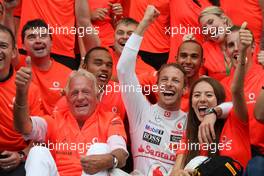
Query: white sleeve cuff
x=226 y=108
x=39 y=129
x=116 y=142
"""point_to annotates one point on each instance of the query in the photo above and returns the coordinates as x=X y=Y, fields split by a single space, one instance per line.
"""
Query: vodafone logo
x=225 y=140
x=252 y=97
x=114 y=109
x=56 y=84
x=179 y=126
x=167 y=114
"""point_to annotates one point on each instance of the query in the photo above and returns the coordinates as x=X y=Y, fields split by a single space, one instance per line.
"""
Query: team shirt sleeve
x=134 y=101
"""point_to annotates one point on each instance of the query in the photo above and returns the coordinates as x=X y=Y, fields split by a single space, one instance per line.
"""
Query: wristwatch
x=210 y=111
x=22 y=155
x=115 y=161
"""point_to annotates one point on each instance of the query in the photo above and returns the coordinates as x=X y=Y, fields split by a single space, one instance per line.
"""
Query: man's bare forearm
x=82 y=12
x=22 y=121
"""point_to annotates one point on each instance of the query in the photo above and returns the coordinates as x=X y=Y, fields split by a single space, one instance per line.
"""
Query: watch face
x=115 y=162
x=21 y=155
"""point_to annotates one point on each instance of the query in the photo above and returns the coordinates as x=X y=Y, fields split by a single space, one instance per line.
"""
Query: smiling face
x=216 y=27
x=37 y=42
x=100 y=65
x=171 y=87
x=122 y=33
x=190 y=57
x=7 y=52
x=232 y=47
x=81 y=97
x=203 y=97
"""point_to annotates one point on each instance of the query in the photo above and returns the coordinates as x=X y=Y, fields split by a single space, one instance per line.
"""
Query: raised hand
x=245 y=37
x=23 y=76
x=261 y=58
x=11 y=161
x=117 y=8
x=99 y=14
x=151 y=13
x=206 y=132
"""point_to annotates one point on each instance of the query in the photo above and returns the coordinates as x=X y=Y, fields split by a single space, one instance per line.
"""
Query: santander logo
x=148 y=150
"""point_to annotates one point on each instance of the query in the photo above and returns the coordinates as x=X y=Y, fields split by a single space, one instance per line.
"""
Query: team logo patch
x=179 y=126
x=151 y=138
x=157 y=170
x=175 y=138
x=252 y=98
x=154 y=129
x=114 y=109
x=167 y=114
x=56 y=84
x=153 y=152
x=157 y=117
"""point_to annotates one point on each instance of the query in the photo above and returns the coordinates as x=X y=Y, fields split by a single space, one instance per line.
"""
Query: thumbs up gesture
x=245 y=37
x=28 y=62
x=24 y=75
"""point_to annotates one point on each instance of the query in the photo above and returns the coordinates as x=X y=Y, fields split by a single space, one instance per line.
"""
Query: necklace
x=228 y=64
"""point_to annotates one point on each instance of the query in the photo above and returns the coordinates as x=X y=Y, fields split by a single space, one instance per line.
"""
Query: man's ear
x=51 y=43
x=224 y=18
x=15 y=57
x=14 y=53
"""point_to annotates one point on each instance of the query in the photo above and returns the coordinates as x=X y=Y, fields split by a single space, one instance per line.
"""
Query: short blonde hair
x=84 y=73
x=214 y=10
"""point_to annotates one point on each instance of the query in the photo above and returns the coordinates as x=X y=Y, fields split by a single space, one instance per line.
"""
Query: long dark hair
x=193 y=121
